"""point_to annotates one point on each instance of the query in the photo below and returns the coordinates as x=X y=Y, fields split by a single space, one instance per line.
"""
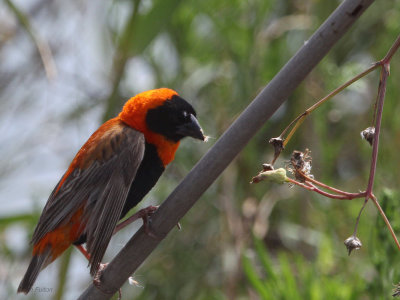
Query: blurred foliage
x=218 y=55
x=293 y=277
x=383 y=253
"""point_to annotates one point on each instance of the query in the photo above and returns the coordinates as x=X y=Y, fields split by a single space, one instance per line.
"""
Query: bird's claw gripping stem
x=145 y=215
x=97 y=281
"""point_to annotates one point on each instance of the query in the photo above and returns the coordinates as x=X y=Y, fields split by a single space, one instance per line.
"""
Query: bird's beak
x=192 y=129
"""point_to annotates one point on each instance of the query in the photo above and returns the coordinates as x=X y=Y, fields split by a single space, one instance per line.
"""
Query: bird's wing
x=96 y=186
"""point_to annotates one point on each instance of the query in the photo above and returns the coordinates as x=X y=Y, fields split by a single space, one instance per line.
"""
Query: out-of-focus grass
x=292 y=276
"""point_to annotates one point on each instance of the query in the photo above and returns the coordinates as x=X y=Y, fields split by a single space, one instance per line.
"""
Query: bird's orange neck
x=165 y=148
x=134 y=114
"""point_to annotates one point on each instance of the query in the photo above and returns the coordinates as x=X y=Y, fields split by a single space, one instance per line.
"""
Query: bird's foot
x=145 y=215
x=96 y=278
x=97 y=281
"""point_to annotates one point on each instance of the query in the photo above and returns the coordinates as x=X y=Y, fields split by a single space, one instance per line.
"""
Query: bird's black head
x=174 y=119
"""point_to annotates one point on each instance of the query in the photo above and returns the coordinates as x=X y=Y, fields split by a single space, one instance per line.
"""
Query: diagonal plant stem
x=393 y=49
x=384 y=64
x=358 y=218
x=375 y=201
x=385 y=71
x=120 y=61
x=378 y=121
x=42 y=46
x=300 y=119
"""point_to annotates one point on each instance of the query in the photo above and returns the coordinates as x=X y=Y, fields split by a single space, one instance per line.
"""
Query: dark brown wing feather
x=102 y=187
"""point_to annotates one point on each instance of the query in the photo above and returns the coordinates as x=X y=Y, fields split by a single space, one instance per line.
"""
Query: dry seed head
x=368 y=134
x=300 y=163
x=277 y=143
x=352 y=243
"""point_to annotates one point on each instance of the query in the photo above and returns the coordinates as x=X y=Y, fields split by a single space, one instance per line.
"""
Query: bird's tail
x=38 y=262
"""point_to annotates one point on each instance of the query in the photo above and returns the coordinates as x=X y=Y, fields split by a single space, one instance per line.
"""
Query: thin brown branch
x=378 y=120
x=300 y=119
x=120 y=60
x=375 y=200
x=391 y=51
x=42 y=46
x=358 y=218
x=282 y=135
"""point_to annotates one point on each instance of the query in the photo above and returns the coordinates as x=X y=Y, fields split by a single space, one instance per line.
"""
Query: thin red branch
x=328 y=187
x=378 y=120
x=313 y=188
x=391 y=52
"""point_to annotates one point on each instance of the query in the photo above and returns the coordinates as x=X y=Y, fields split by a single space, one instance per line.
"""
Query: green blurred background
x=66 y=66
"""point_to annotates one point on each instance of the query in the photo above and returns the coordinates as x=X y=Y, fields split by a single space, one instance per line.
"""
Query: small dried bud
x=352 y=243
x=277 y=143
x=368 y=134
x=277 y=176
x=267 y=167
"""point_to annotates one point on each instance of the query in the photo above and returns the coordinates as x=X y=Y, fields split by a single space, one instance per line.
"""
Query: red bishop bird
x=112 y=172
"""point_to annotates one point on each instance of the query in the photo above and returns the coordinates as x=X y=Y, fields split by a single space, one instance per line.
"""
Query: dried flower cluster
x=300 y=165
